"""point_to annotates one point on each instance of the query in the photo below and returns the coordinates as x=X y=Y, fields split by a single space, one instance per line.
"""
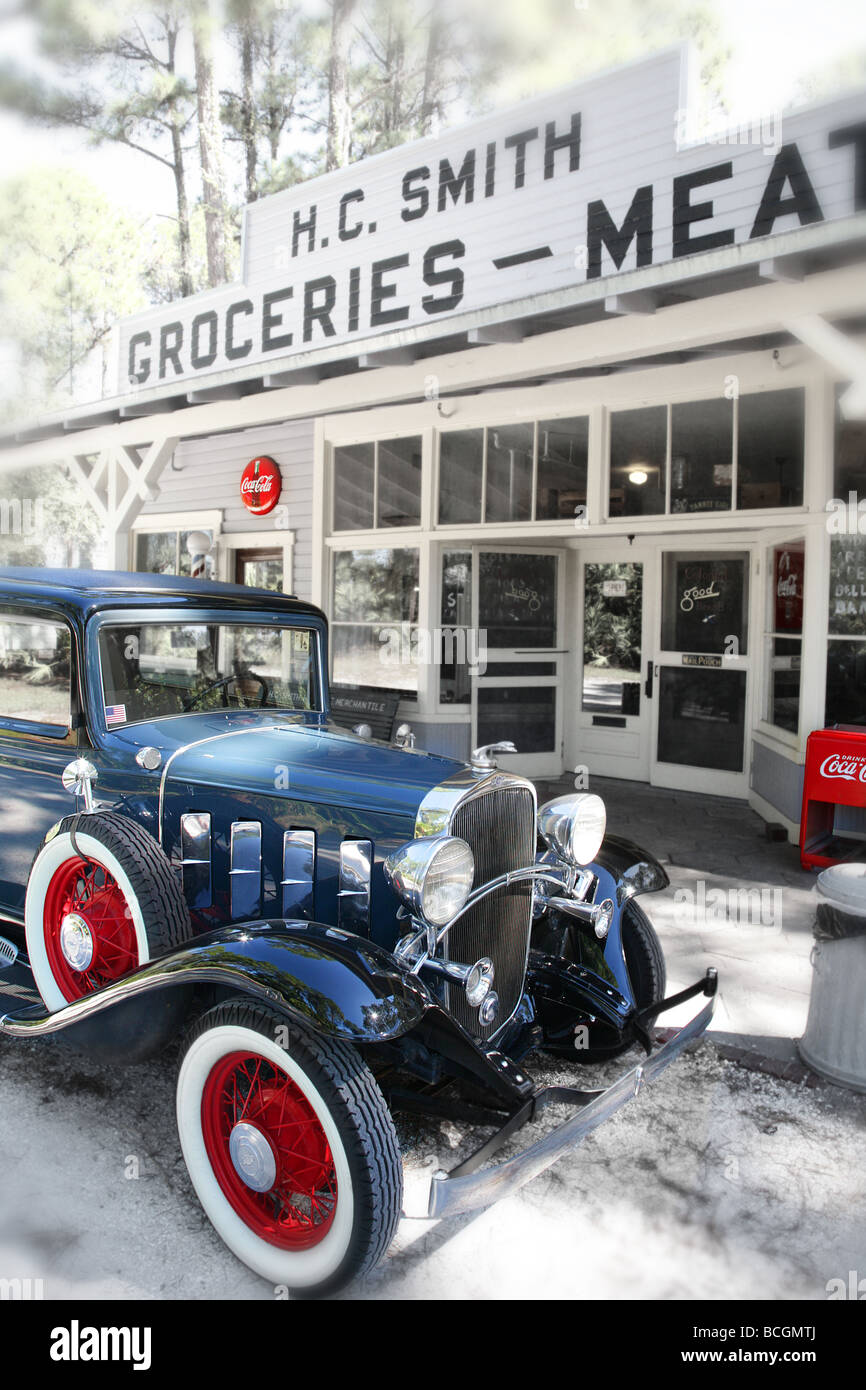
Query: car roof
x=90 y=590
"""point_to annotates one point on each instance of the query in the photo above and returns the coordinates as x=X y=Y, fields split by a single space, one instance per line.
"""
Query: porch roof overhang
x=758 y=292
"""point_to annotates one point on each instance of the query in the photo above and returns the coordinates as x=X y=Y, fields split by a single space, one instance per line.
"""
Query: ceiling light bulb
x=638 y=476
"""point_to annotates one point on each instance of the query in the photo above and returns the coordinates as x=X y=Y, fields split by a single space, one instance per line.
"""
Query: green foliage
x=56 y=524
x=70 y=266
x=612 y=626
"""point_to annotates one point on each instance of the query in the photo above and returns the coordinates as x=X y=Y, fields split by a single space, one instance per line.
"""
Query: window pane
x=847 y=616
x=157 y=670
x=612 y=617
x=705 y=603
x=378 y=656
x=156 y=552
x=509 y=473
x=702 y=434
x=850 y=454
x=372 y=586
x=517 y=600
x=770 y=449
x=562 y=468
x=846 y=683
x=35 y=672
x=262 y=574
x=785 y=654
x=638 y=446
x=353 y=487
x=460 y=461
x=524 y=715
x=399 y=482
x=456 y=619
x=789 y=568
x=702 y=718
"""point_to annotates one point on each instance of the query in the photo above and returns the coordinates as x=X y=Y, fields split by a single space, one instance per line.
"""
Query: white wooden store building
x=565 y=405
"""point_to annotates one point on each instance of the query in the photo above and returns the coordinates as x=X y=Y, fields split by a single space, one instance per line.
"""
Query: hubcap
x=76 y=941
x=90 y=937
x=269 y=1151
x=253 y=1157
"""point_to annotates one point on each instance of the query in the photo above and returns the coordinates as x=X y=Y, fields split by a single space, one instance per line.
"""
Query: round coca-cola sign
x=260 y=486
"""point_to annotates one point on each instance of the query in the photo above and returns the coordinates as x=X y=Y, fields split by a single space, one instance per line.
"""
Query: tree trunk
x=179 y=172
x=248 y=112
x=430 y=102
x=210 y=146
x=339 y=110
x=183 y=236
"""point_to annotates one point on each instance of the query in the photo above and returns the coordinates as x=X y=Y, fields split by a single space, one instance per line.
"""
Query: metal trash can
x=834 y=1043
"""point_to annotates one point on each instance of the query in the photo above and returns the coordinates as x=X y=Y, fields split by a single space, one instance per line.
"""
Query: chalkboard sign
x=517 y=599
x=704 y=605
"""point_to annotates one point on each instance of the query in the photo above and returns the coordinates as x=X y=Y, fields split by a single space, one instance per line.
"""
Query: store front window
x=849 y=454
x=377 y=485
x=456 y=618
x=784 y=640
x=505 y=473
x=374 y=629
x=846 y=648
x=166 y=552
x=750 y=446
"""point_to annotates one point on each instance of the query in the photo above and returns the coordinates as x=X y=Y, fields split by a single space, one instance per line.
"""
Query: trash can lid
x=846 y=885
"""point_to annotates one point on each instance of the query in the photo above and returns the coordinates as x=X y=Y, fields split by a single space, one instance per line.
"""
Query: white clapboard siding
x=206 y=474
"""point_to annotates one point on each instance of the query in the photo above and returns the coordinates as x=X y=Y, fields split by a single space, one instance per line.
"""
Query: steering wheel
x=223 y=683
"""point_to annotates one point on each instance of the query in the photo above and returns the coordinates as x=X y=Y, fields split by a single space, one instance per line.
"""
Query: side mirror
x=78 y=778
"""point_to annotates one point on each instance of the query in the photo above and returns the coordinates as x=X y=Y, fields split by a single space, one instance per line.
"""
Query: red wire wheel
x=89 y=891
x=247 y=1096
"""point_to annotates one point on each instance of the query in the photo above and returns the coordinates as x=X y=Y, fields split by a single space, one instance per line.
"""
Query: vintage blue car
x=342 y=927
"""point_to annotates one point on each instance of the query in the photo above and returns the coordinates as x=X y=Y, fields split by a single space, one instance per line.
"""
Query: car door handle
x=648 y=683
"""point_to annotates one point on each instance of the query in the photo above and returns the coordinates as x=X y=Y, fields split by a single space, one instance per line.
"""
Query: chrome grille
x=499 y=827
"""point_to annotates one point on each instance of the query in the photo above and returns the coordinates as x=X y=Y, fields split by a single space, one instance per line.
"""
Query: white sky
x=775 y=43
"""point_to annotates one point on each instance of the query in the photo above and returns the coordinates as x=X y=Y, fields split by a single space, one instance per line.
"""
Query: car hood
x=302 y=757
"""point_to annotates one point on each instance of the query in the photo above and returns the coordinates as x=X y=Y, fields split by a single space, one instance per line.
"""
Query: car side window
x=35 y=667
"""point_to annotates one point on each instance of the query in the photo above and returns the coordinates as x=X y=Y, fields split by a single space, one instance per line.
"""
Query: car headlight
x=573 y=827
x=432 y=876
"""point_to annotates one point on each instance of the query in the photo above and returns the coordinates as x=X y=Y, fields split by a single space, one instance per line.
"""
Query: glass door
x=516 y=684
x=613 y=701
x=700 y=675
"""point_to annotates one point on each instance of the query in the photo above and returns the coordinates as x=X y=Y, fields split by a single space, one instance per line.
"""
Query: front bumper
x=465 y=1190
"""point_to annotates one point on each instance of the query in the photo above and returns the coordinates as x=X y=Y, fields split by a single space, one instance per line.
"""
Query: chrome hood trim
x=439 y=805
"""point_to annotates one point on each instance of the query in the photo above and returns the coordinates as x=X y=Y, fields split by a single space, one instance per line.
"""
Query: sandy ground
x=717 y=1183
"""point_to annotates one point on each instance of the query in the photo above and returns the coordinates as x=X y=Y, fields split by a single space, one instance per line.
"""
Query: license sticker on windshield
x=115 y=714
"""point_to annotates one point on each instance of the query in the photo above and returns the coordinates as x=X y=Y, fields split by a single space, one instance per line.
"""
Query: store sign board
x=701 y=659
x=579 y=184
x=261 y=484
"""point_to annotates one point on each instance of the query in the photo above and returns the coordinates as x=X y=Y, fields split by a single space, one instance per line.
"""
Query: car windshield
x=152 y=670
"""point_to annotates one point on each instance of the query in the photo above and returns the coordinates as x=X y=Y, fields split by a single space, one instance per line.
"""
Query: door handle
x=648 y=683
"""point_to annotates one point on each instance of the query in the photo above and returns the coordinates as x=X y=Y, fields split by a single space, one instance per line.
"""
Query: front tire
x=644 y=957
x=290 y=1147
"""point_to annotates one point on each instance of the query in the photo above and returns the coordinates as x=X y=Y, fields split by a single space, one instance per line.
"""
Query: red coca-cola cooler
x=833 y=820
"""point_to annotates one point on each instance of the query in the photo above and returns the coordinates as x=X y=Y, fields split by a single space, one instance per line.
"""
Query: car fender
x=340 y=985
